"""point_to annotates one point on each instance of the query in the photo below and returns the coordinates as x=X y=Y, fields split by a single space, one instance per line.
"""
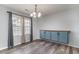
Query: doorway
x=21 y=29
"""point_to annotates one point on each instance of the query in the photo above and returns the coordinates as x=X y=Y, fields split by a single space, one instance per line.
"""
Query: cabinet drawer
x=63 y=38
x=42 y=34
x=54 y=36
x=47 y=35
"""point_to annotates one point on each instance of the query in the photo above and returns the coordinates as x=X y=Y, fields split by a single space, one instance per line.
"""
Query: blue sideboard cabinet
x=55 y=36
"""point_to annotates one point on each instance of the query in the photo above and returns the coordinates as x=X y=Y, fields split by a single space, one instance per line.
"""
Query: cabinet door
x=42 y=35
x=54 y=36
x=63 y=37
x=47 y=35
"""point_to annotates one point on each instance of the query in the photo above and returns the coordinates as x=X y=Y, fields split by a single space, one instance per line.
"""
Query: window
x=17 y=24
x=21 y=29
x=27 y=25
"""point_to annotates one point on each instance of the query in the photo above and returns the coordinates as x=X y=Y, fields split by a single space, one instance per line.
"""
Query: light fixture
x=35 y=13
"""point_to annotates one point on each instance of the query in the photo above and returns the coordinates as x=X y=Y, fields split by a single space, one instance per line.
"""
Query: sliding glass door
x=27 y=28
x=17 y=29
x=21 y=29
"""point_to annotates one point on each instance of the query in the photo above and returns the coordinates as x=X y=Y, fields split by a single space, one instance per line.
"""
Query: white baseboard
x=3 y=48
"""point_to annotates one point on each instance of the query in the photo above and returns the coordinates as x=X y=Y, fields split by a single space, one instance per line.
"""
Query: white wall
x=35 y=29
x=4 y=27
x=65 y=20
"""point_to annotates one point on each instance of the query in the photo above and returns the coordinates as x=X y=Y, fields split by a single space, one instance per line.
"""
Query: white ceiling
x=45 y=9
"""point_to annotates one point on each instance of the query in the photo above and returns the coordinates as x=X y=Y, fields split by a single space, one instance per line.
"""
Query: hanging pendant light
x=36 y=14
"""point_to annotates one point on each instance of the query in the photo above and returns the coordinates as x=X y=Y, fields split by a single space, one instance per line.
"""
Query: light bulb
x=39 y=14
x=34 y=14
x=31 y=14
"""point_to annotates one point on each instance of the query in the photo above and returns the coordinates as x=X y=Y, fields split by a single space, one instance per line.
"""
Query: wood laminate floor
x=41 y=47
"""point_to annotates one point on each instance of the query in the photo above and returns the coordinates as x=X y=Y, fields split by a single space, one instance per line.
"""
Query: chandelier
x=35 y=13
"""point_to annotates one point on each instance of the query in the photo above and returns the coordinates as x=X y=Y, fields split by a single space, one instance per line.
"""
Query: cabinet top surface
x=57 y=30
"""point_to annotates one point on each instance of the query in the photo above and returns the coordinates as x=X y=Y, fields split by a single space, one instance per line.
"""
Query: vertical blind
x=17 y=28
x=21 y=29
